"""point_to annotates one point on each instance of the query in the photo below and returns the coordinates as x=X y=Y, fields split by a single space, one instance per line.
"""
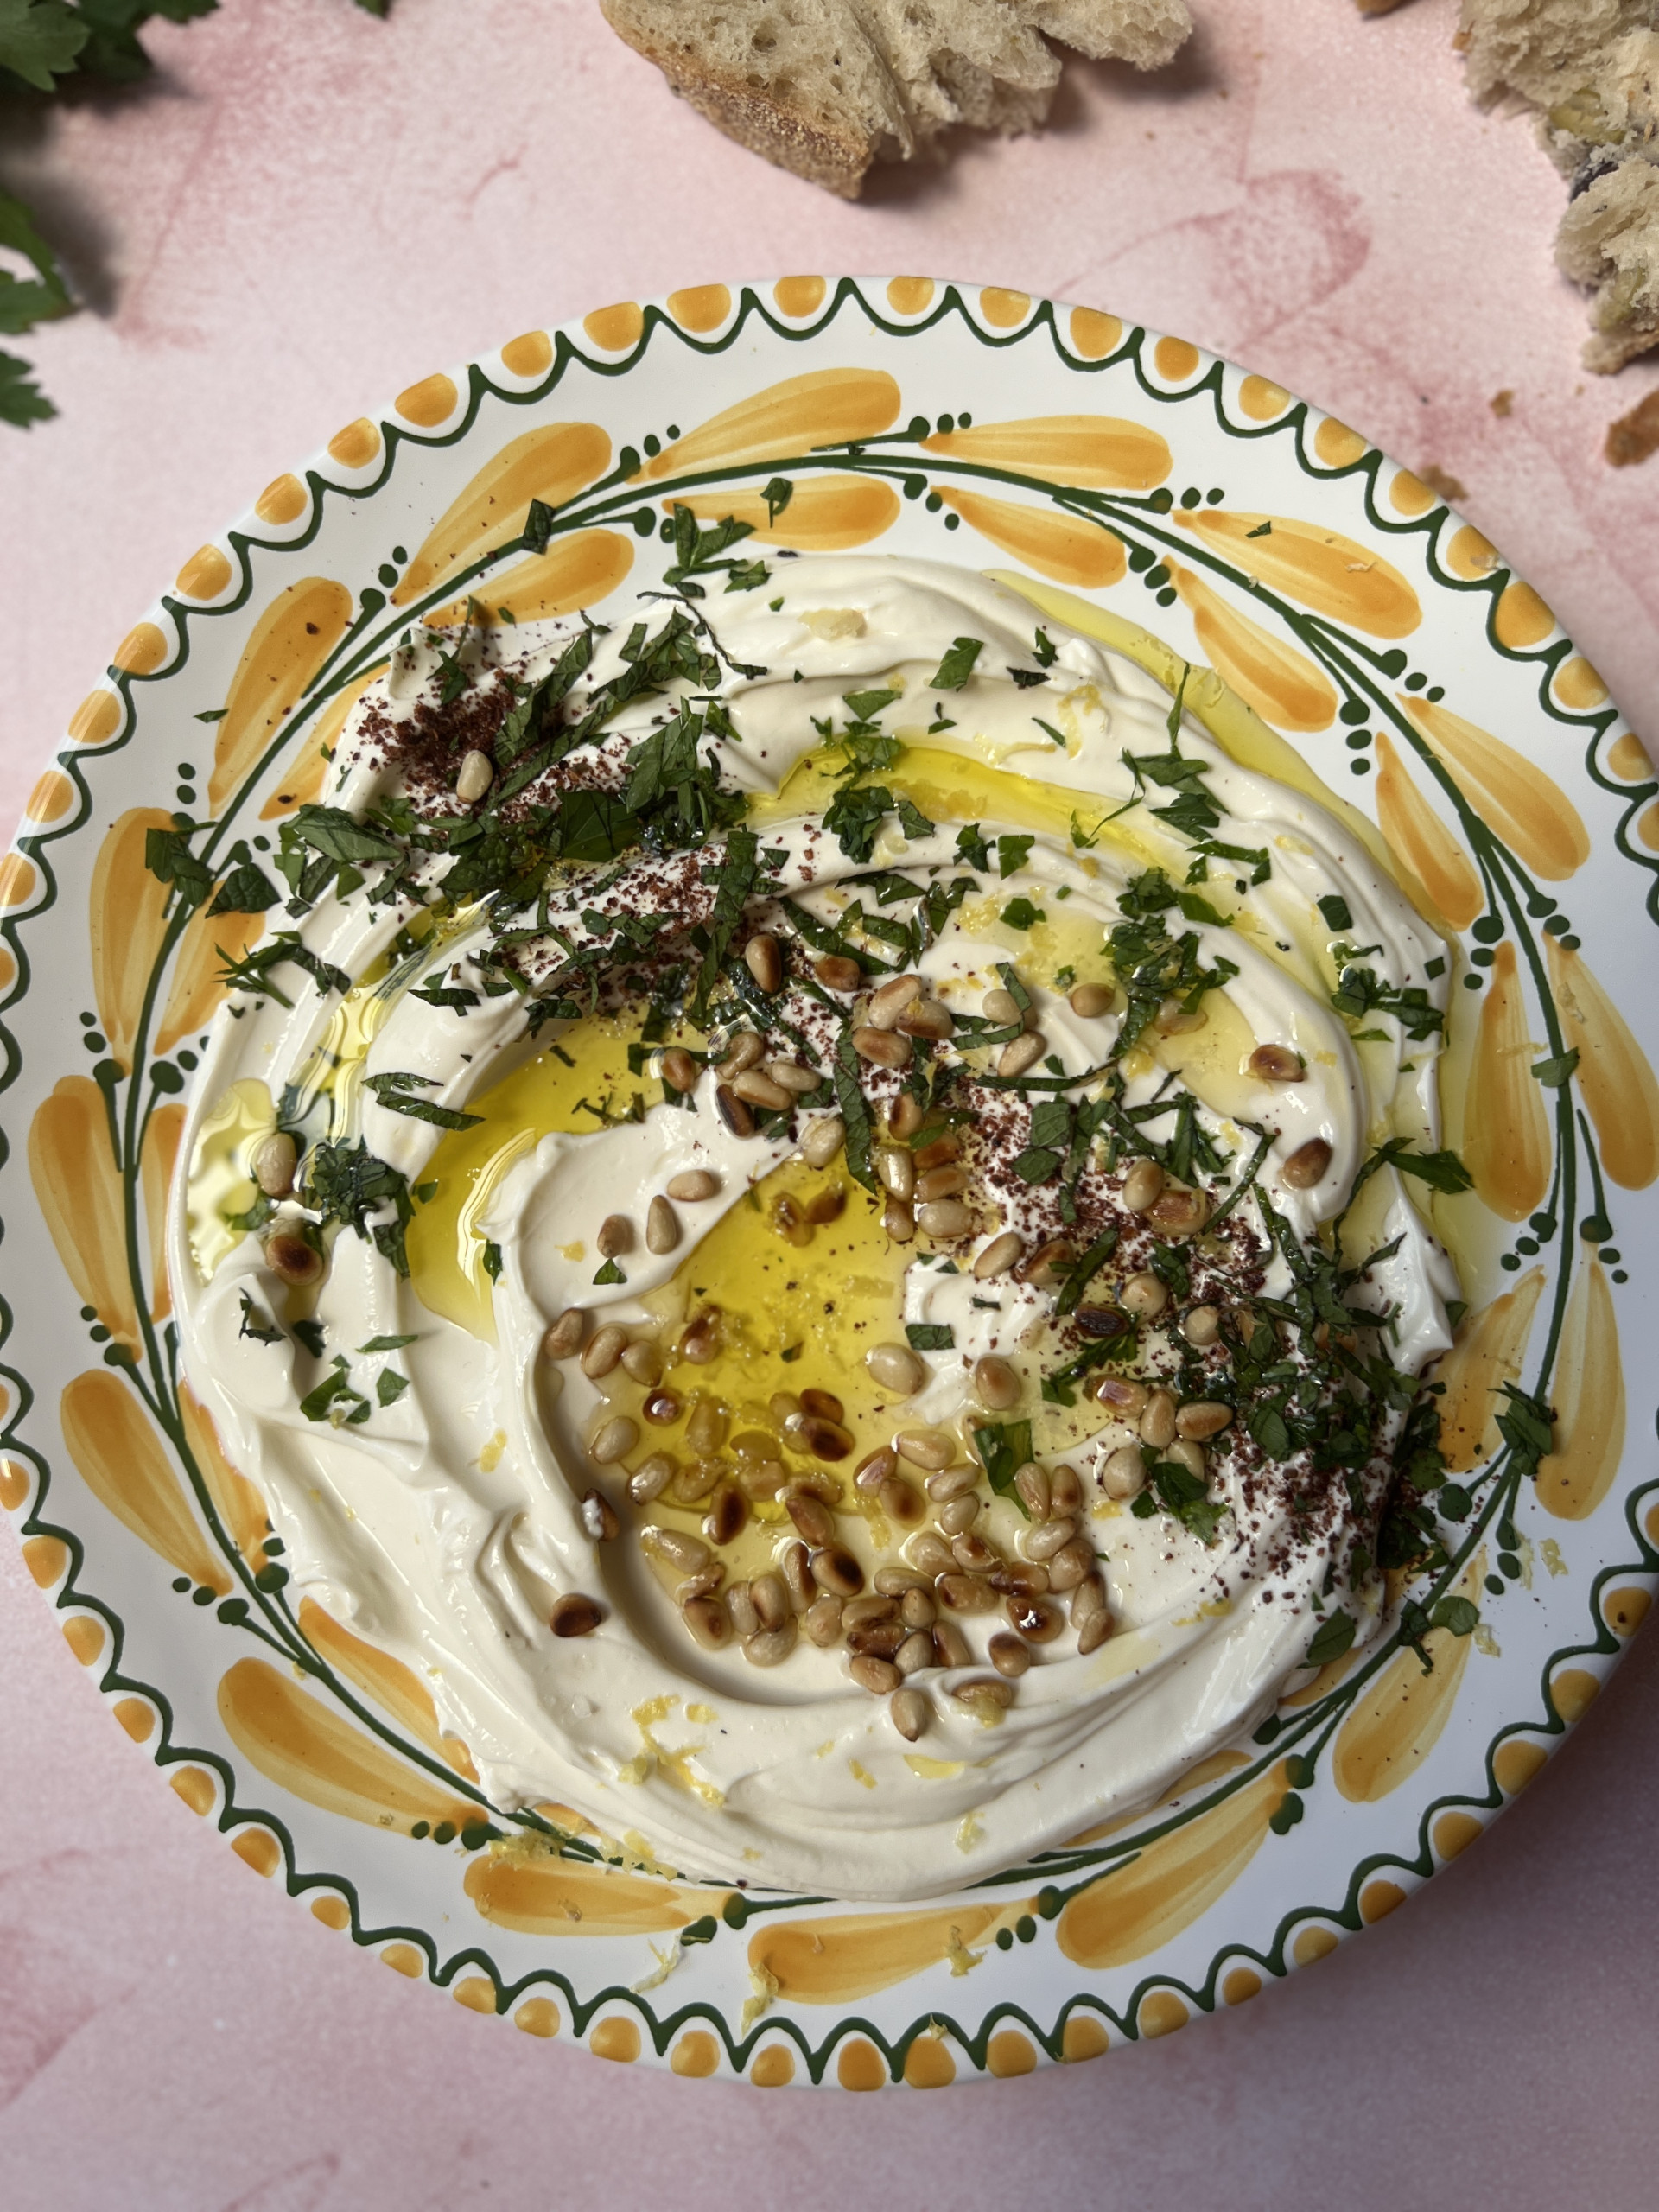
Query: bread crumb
x=1635 y=436
x=1443 y=481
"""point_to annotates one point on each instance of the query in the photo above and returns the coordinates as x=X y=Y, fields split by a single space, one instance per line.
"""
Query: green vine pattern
x=260 y=1609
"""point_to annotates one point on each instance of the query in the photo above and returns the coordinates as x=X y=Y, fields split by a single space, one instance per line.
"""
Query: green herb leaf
x=392 y=1090
x=1021 y=914
x=1003 y=1447
x=389 y=1386
x=854 y=1111
x=390 y=1344
x=1043 y=650
x=40 y=40
x=1335 y=1633
x=957 y=665
x=930 y=1336
x=348 y=1183
x=312 y=1335
x=610 y=1273
x=1554 y=1073
x=1458 y=1615
x=1334 y=907
x=1012 y=854
x=253 y=1326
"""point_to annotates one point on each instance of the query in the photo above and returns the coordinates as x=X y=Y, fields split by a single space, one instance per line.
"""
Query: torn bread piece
x=1589 y=69
x=828 y=87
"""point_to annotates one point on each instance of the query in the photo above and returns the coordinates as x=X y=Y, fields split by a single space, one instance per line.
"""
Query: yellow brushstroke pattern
x=1098 y=451
x=827 y=407
x=1283 y=685
x=1063 y=547
x=289 y=642
x=1506 y=1140
x=826 y=514
x=303 y=1745
x=1588 y=1391
x=835 y=1961
x=301 y=778
x=1334 y=575
x=551 y=464
x=197 y=987
x=126 y=923
x=546 y=1895
x=1530 y=812
x=1614 y=1078
x=240 y=1507
x=1487 y=1353
x=1397 y=1721
x=576 y=572
x=160 y=1155
x=124 y=1463
x=1133 y=1911
x=387 y=1681
x=1431 y=863
x=79 y=1192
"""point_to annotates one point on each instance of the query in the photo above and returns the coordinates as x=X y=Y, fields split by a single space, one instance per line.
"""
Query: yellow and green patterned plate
x=1369 y=644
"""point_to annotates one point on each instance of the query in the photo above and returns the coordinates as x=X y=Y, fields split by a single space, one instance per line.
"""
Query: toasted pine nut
x=811 y=1517
x=1090 y=1001
x=947 y=1182
x=895 y=1171
x=924 y=1447
x=576 y=1616
x=773 y=1646
x=1158 y=1422
x=732 y=1110
x=615 y=1440
x=887 y=1003
x=959 y=1515
x=864 y=1612
x=1203 y=1418
x=796 y=1566
x=1048 y=1537
x=882 y=1048
x=662 y=1227
x=758 y=1089
x=1185 y=1453
x=928 y=1018
x=898 y=1581
x=1023 y=1054
x=688 y=1554
x=911 y=1714
x=764 y=959
x=680 y=1071
x=1067 y=1568
x=1045 y=1265
x=896 y=1368
x=728 y=1512
x=1308 y=1164
x=1128 y=1398
x=1094 y=1632
x=599 y=1517
x=1008 y=1654
x=1020 y=1578
x=1031 y=1483
x=1142 y=1186
x=1144 y=1296
x=950 y=1482
x=880 y=1676
x=904 y=1116
x=705 y=1430
x=791 y=1076
x=1202 y=1326
x=643 y=1360
x=915 y=1652
x=1036 y=1618
x=1064 y=1491
x=821 y=1621
x=661 y=1409
x=651 y=1479
x=996 y=1385
x=770 y=1599
x=709 y=1622
x=692 y=1185
x=615 y=1237
x=836 y=973
x=1000 y=1006
x=824 y=1440
x=290 y=1259
x=943 y=1218
x=931 y=1554
x=917 y=1609
x=875 y=1468
x=822 y=1138
x=563 y=1339
x=950 y=1645
x=1178 y=1213
x=1276 y=1063
x=835 y=1569
x=477 y=774
x=274 y=1162
x=998 y=1257
x=967 y=1593
x=742 y=1050
x=1087 y=1599
x=899 y=1222
x=900 y=1503
x=690 y=1485
x=740 y=1604
x=1124 y=1472
x=984 y=1689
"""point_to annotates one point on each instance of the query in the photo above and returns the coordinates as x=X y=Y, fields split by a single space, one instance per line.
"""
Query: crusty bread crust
x=811 y=146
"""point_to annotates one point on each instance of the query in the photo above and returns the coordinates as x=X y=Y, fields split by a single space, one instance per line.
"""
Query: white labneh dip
x=1007 y=1028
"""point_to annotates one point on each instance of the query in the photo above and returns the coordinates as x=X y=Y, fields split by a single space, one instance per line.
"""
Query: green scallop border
x=1357 y=665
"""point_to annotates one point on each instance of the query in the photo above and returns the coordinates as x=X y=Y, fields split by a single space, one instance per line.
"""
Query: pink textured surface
x=307 y=211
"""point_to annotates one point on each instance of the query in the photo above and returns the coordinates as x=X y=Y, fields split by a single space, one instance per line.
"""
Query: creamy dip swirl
x=425 y=1462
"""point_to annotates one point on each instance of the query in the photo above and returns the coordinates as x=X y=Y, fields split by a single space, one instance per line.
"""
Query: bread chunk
x=827 y=88
x=1589 y=70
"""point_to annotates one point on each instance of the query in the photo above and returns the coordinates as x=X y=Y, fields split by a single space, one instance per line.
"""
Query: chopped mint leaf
x=1021 y=914
x=253 y=1326
x=930 y=1336
x=610 y=1273
x=389 y=1386
x=958 y=664
x=392 y=1090
x=1334 y=907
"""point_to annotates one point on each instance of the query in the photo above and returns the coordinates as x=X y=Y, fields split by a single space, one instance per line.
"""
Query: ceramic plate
x=1393 y=661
